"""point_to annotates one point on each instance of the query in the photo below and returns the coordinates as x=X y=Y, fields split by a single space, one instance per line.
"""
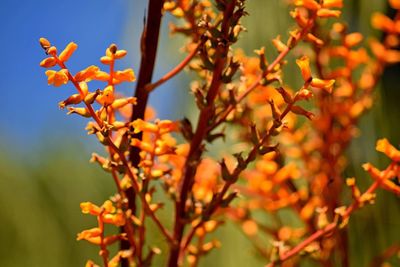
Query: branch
x=175 y=70
x=149 y=44
x=332 y=226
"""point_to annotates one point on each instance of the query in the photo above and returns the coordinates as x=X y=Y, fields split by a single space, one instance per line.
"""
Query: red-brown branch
x=199 y=135
x=175 y=70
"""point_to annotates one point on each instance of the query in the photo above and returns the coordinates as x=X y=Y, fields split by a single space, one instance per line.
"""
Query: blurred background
x=44 y=169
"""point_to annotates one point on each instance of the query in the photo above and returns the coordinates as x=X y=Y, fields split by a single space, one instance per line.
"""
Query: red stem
x=149 y=44
x=195 y=146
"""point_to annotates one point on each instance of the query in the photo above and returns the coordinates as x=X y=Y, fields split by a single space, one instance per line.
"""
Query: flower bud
x=44 y=43
x=68 y=51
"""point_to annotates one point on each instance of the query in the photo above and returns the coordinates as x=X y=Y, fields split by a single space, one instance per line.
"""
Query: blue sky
x=29 y=113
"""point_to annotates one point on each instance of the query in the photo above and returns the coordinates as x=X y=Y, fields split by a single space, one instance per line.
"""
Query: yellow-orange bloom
x=314 y=39
x=120 y=54
x=385 y=147
x=72 y=100
x=304 y=65
x=90 y=233
x=383 y=23
x=117 y=219
x=87 y=74
x=327 y=13
x=353 y=39
x=90 y=208
x=68 y=51
x=332 y=3
x=140 y=125
x=48 y=62
x=90 y=263
x=106 y=60
x=278 y=44
x=107 y=97
x=121 y=102
x=206 y=179
x=395 y=4
x=108 y=206
x=44 y=43
x=326 y=85
x=300 y=18
x=386 y=55
x=102 y=76
x=125 y=76
x=57 y=78
x=309 y=4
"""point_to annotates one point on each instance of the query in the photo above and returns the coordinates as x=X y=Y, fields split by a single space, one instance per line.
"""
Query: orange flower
x=44 y=43
x=386 y=55
x=309 y=4
x=326 y=85
x=90 y=208
x=140 y=125
x=304 y=64
x=313 y=39
x=90 y=263
x=385 y=147
x=300 y=19
x=90 y=233
x=206 y=179
x=332 y=3
x=144 y=146
x=117 y=219
x=395 y=4
x=106 y=60
x=383 y=23
x=278 y=44
x=108 y=207
x=107 y=96
x=48 y=62
x=353 y=39
x=87 y=74
x=125 y=76
x=102 y=76
x=120 y=54
x=327 y=13
x=122 y=102
x=72 y=100
x=57 y=78
x=68 y=51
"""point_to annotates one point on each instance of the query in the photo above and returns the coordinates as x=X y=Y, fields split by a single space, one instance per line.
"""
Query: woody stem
x=149 y=44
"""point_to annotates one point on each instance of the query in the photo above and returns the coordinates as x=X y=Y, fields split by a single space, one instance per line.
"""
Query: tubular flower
x=68 y=51
x=385 y=147
x=107 y=97
x=87 y=74
x=90 y=208
x=332 y=3
x=327 y=13
x=57 y=78
x=48 y=62
x=309 y=4
x=383 y=23
x=90 y=233
x=323 y=10
x=304 y=65
x=206 y=180
x=395 y=4
x=326 y=85
x=125 y=76
x=353 y=39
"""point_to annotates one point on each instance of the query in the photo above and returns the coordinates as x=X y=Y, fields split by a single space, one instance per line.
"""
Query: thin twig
x=175 y=70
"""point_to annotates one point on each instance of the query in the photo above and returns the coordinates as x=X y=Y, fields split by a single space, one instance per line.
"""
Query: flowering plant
x=288 y=155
